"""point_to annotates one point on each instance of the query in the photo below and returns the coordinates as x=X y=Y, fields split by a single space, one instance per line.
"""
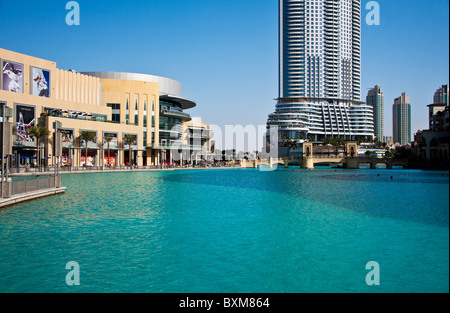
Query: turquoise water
x=231 y=231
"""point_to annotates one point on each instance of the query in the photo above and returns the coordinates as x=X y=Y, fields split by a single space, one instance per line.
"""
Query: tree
x=128 y=138
x=87 y=136
x=38 y=132
x=368 y=153
x=108 y=139
x=388 y=154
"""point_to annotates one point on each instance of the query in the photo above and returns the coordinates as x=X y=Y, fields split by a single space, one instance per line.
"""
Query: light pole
x=6 y=113
x=3 y=105
x=58 y=149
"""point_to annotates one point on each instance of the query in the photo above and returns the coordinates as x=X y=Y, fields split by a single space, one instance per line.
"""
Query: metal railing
x=49 y=171
x=32 y=184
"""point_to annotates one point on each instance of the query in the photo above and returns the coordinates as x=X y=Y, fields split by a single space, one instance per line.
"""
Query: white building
x=320 y=71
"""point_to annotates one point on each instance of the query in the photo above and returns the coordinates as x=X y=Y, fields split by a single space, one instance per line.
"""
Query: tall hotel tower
x=320 y=71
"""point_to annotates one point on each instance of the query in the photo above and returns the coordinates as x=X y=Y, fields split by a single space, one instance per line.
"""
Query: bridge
x=346 y=156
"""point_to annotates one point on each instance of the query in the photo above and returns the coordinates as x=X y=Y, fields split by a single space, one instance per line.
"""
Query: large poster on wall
x=87 y=161
x=25 y=118
x=134 y=143
x=109 y=161
x=114 y=143
x=67 y=137
x=40 y=84
x=12 y=76
x=65 y=161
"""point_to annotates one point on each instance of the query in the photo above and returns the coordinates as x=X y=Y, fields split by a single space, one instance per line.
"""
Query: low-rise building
x=110 y=105
x=433 y=144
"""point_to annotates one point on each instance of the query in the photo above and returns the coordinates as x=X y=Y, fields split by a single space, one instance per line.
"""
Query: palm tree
x=38 y=132
x=388 y=154
x=87 y=136
x=368 y=153
x=129 y=139
x=108 y=139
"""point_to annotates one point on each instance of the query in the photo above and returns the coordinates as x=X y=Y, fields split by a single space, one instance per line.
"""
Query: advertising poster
x=89 y=161
x=12 y=74
x=83 y=142
x=25 y=118
x=40 y=83
x=134 y=143
x=65 y=161
x=111 y=161
x=67 y=137
x=114 y=143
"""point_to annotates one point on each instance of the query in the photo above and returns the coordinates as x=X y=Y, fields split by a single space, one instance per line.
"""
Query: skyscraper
x=375 y=99
x=401 y=114
x=320 y=71
x=441 y=95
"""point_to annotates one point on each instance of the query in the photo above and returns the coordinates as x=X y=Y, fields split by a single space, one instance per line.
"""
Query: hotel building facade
x=110 y=105
x=320 y=71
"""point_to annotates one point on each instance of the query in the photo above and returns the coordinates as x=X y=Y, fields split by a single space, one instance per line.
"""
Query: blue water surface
x=233 y=231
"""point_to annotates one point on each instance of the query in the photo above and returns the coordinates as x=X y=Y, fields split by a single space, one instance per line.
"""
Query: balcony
x=171 y=112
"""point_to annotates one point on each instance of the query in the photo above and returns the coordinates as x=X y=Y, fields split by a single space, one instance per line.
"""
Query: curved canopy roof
x=184 y=103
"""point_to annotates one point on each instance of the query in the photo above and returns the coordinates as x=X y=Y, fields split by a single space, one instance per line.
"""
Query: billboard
x=67 y=137
x=65 y=160
x=12 y=76
x=87 y=161
x=134 y=143
x=114 y=143
x=40 y=82
x=109 y=161
x=25 y=118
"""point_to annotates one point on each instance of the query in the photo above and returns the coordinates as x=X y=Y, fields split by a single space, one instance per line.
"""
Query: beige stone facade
x=111 y=105
x=79 y=103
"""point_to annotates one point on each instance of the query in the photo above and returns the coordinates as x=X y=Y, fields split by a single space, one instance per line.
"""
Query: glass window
x=115 y=111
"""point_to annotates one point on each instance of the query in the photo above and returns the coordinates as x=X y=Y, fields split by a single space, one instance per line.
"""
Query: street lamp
x=58 y=147
x=6 y=144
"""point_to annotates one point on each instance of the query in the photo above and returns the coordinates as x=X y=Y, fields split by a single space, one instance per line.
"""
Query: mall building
x=110 y=105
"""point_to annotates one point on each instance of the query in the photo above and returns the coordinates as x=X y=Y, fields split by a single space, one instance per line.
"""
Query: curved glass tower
x=320 y=71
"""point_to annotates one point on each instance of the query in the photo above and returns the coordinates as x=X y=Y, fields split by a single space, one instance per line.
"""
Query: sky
x=225 y=52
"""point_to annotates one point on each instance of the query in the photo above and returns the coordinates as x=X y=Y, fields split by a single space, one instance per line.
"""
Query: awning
x=183 y=102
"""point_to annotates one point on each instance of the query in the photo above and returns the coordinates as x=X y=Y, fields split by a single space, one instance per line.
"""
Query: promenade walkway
x=86 y=170
x=18 y=198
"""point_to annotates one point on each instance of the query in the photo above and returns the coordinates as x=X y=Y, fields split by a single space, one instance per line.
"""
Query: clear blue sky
x=225 y=52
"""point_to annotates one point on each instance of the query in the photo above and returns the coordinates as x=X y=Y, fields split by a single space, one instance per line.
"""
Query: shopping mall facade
x=110 y=105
